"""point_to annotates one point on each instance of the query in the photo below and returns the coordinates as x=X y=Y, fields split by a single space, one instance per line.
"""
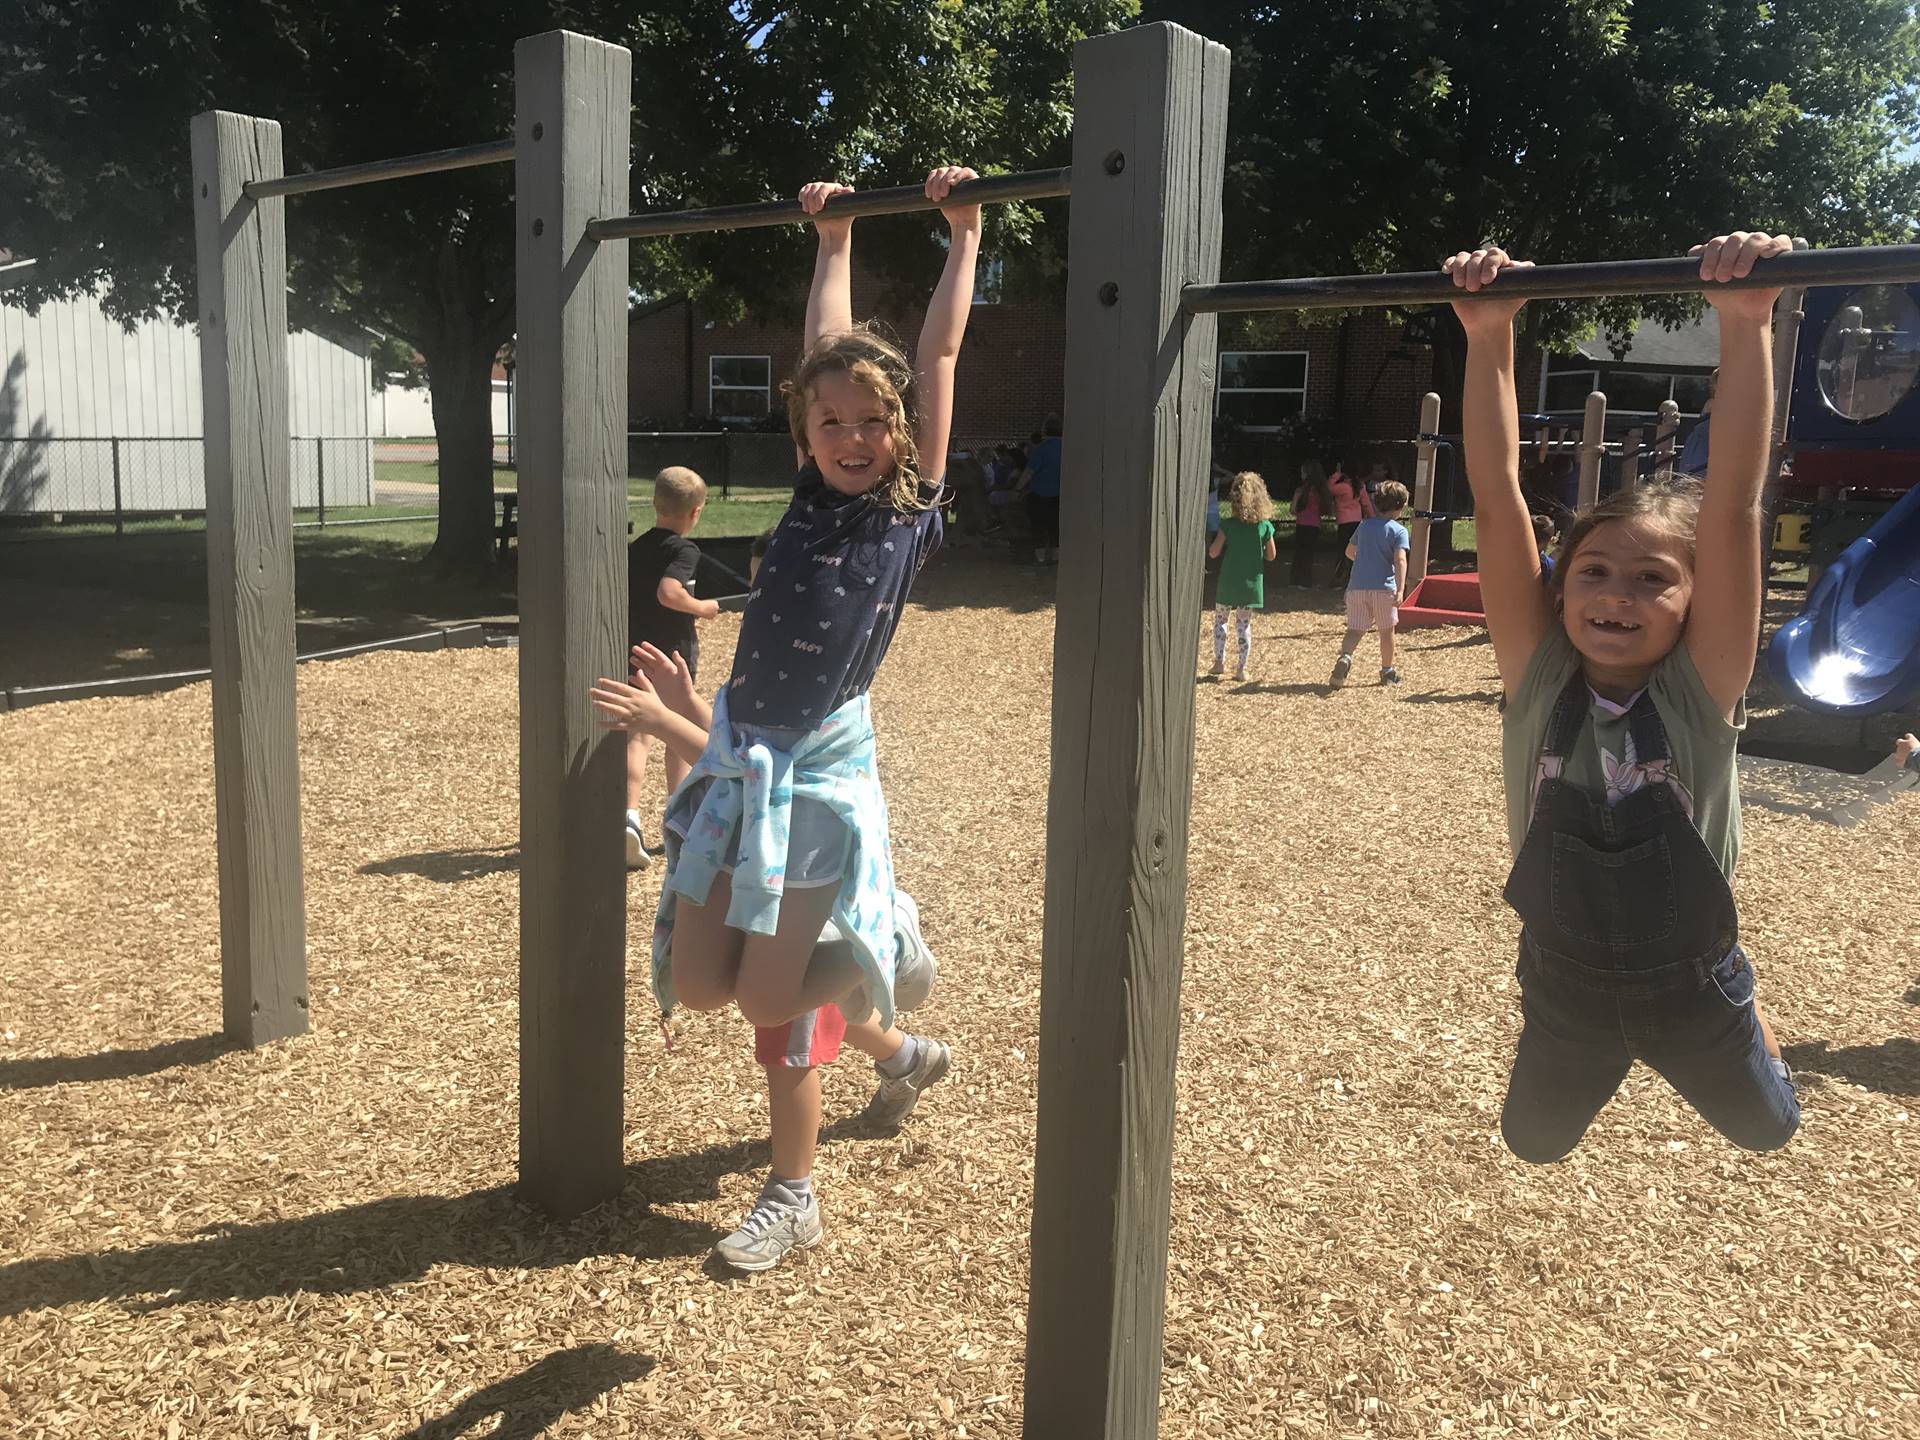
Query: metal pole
x=1425 y=449
x=897 y=200
x=1866 y=264
x=1593 y=445
x=430 y=162
x=320 y=481
x=119 y=514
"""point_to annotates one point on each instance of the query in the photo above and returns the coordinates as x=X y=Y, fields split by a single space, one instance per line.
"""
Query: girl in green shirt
x=1246 y=539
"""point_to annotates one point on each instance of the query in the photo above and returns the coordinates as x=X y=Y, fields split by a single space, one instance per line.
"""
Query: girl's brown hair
x=1248 y=497
x=1673 y=505
x=1313 y=481
x=870 y=359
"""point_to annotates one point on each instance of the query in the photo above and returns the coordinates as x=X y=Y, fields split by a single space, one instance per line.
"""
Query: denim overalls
x=1629 y=951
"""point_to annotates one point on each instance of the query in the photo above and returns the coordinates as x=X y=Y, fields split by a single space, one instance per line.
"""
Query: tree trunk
x=460 y=376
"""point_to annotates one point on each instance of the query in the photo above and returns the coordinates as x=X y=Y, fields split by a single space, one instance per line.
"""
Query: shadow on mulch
x=1912 y=997
x=1453 y=697
x=1271 y=687
x=1478 y=637
x=529 y=1403
x=1891 y=1067
x=362 y=1247
x=398 y=1239
x=35 y=1074
x=449 y=867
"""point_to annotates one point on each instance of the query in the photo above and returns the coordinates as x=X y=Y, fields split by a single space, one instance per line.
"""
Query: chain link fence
x=123 y=481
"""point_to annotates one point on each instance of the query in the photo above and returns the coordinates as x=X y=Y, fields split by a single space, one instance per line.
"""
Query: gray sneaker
x=777 y=1223
x=1341 y=669
x=914 y=968
x=894 y=1100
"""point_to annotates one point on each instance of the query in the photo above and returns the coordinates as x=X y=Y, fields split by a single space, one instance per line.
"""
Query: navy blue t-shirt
x=825 y=603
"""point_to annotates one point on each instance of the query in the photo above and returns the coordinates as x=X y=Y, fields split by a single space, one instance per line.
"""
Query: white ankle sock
x=903 y=1061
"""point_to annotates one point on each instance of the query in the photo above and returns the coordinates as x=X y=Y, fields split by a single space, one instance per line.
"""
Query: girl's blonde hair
x=1674 y=505
x=1249 y=499
x=869 y=359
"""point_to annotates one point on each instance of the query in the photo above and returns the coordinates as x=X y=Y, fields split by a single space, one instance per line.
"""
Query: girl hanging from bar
x=780 y=831
x=1625 y=680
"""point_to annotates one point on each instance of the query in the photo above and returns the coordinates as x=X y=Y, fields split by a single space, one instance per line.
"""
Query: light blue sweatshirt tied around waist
x=753 y=787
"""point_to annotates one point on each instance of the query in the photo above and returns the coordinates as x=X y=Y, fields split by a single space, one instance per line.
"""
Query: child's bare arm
x=1219 y=545
x=637 y=707
x=939 y=349
x=830 y=299
x=1518 y=612
x=672 y=681
x=1723 y=620
x=1399 y=576
x=1272 y=549
x=674 y=595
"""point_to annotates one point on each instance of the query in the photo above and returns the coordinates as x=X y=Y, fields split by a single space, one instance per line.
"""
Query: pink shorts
x=813 y=1039
x=1371 y=610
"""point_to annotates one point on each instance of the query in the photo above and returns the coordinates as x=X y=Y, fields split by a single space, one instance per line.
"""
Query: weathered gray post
x=1424 y=451
x=1593 y=446
x=1148 y=156
x=241 y=246
x=572 y=117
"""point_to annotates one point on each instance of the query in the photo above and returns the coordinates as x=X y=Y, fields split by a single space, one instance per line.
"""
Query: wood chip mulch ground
x=319 y=1239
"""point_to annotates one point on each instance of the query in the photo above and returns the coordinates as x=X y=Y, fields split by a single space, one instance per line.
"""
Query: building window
x=989 y=281
x=1568 y=389
x=738 y=387
x=1261 y=389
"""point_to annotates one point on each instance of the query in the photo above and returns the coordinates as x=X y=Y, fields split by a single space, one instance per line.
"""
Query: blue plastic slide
x=1855 y=649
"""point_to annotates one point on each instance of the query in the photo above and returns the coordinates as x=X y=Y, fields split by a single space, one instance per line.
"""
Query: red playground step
x=1444 y=600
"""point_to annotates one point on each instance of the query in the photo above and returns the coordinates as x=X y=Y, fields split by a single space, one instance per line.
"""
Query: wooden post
x=241 y=246
x=1424 y=450
x=1666 y=442
x=573 y=99
x=1593 y=446
x=1148 y=156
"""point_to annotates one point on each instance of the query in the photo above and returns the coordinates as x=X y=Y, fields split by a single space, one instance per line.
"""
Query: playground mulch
x=319 y=1239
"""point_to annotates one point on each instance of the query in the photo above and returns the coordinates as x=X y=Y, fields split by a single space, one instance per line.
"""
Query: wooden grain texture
x=1420 y=541
x=241 y=246
x=573 y=106
x=1593 y=442
x=1150 y=109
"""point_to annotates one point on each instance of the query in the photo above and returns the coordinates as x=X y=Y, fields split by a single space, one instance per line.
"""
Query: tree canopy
x=732 y=101
x=1384 y=134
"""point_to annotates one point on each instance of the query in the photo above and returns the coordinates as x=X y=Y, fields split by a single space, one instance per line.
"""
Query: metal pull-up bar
x=896 y=200
x=1859 y=265
x=465 y=157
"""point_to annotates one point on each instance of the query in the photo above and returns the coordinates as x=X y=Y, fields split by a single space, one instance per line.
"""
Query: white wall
x=394 y=411
x=76 y=382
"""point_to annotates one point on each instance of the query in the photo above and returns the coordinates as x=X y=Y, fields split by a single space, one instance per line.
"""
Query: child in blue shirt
x=1378 y=551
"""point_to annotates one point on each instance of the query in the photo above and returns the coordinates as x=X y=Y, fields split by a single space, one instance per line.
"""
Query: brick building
x=1360 y=378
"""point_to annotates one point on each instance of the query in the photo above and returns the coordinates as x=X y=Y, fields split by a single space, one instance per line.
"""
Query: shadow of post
x=395 y=1239
x=528 y=1403
x=41 y=1071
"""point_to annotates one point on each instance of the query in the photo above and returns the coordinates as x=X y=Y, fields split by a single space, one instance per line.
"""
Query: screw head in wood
x=1110 y=293
x=1116 y=161
x=539 y=227
x=538 y=130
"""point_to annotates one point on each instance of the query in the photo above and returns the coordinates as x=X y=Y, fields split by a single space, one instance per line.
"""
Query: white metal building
x=86 y=402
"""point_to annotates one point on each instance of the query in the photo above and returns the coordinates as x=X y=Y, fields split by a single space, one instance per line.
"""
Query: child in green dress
x=1246 y=539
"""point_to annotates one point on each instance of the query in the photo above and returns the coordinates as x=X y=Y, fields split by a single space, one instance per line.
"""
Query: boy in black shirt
x=661 y=612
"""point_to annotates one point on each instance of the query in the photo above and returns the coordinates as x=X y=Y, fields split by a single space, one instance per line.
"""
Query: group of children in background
x=1372 y=562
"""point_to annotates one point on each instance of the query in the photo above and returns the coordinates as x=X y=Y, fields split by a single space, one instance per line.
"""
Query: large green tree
x=1384 y=134
x=732 y=101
